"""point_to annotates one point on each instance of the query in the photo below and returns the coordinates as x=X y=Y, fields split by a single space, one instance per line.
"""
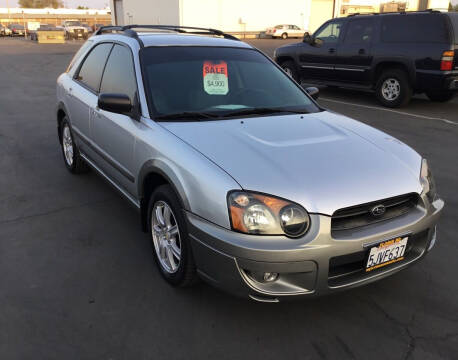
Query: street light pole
x=8 y=6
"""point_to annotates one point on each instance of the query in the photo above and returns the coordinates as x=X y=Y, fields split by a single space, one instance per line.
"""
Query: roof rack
x=393 y=12
x=128 y=30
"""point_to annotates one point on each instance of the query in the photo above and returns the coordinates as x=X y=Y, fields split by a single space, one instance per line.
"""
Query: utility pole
x=8 y=6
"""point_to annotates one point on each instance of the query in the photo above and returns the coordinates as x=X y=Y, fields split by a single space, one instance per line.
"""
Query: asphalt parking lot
x=77 y=280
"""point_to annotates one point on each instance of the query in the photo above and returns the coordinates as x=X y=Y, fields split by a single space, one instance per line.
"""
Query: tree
x=40 y=4
x=79 y=7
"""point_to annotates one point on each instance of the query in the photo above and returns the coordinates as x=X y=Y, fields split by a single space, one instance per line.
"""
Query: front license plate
x=387 y=252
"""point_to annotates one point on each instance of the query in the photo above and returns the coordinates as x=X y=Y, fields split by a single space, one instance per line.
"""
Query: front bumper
x=315 y=264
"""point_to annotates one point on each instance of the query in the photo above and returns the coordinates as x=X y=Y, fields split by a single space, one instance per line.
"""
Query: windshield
x=72 y=23
x=218 y=82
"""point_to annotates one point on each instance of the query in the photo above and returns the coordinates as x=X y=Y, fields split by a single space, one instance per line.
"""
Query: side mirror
x=314 y=92
x=115 y=103
x=308 y=39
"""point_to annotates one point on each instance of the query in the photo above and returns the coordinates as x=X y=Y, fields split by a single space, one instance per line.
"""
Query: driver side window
x=329 y=32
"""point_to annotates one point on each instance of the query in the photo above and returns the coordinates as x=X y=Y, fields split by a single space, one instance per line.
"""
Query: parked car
x=394 y=55
x=88 y=27
x=17 y=29
x=4 y=31
x=75 y=30
x=285 y=31
x=239 y=176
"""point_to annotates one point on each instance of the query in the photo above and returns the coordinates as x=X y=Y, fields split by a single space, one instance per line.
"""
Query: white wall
x=254 y=15
x=153 y=12
x=227 y=15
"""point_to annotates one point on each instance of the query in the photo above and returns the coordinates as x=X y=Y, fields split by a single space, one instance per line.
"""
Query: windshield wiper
x=262 y=111
x=186 y=115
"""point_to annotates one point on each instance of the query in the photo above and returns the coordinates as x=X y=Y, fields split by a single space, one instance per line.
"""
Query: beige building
x=252 y=15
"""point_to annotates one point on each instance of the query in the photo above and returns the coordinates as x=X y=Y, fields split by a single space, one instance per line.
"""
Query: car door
x=81 y=94
x=317 y=60
x=114 y=133
x=354 y=54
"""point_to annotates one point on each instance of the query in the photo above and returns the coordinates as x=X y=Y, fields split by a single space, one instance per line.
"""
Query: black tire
x=186 y=274
x=440 y=96
x=284 y=36
x=400 y=79
x=291 y=69
x=77 y=165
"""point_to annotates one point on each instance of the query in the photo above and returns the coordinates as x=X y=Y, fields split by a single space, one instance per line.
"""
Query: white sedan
x=285 y=31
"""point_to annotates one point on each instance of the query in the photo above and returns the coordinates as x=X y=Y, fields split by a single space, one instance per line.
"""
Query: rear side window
x=454 y=20
x=359 y=31
x=119 y=75
x=91 y=71
x=420 y=28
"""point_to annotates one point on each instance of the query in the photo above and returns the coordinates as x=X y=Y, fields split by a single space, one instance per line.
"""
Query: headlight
x=254 y=213
x=427 y=181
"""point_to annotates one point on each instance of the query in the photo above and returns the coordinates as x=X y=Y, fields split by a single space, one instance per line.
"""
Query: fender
x=400 y=60
x=157 y=166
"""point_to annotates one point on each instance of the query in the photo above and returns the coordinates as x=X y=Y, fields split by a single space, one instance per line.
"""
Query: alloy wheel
x=391 y=89
x=166 y=237
x=67 y=144
x=288 y=71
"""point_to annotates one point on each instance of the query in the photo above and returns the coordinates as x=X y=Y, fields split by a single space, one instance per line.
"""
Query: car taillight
x=447 y=60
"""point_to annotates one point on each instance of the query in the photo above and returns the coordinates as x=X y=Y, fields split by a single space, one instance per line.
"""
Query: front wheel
x=393 y=88
x=171 y=245
x=289 y=67
x=440 y=96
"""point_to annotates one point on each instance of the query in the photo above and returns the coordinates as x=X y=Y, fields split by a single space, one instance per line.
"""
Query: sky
x=97 y=4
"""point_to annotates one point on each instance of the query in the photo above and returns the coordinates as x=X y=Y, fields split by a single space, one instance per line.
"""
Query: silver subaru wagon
x=239 y=176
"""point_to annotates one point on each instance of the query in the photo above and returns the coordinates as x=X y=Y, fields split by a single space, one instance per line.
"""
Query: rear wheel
x=393 y=88
x=440 y=96
x=284 y=36
x=171 y=245
x=290 y=68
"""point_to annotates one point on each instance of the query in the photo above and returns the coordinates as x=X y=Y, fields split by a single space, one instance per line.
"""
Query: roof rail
x=128 y=30
x=394 y=12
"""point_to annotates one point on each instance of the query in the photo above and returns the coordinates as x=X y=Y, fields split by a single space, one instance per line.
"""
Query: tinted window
x=454 y=20
x=92 y=68
x=414 y=28
x=330 y=32
x=119 y=75
x=359 y=31
x=82 y=50
x=217 y=80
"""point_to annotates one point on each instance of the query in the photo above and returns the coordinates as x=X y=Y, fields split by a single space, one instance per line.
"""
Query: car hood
x=322 y=161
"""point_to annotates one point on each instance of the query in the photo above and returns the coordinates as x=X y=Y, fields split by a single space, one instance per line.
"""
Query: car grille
x=361 y=215
x=78 y=31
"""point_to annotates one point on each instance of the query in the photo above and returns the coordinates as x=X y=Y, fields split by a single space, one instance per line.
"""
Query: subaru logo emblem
x=378 y=210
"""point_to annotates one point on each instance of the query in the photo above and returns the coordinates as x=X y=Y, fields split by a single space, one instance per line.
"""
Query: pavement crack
x=64 y=208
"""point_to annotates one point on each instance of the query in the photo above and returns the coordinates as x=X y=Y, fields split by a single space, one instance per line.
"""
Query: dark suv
x=393 y=54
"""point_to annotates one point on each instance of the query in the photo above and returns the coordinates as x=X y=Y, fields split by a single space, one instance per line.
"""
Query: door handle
x=332 y=50
x=361 y=51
